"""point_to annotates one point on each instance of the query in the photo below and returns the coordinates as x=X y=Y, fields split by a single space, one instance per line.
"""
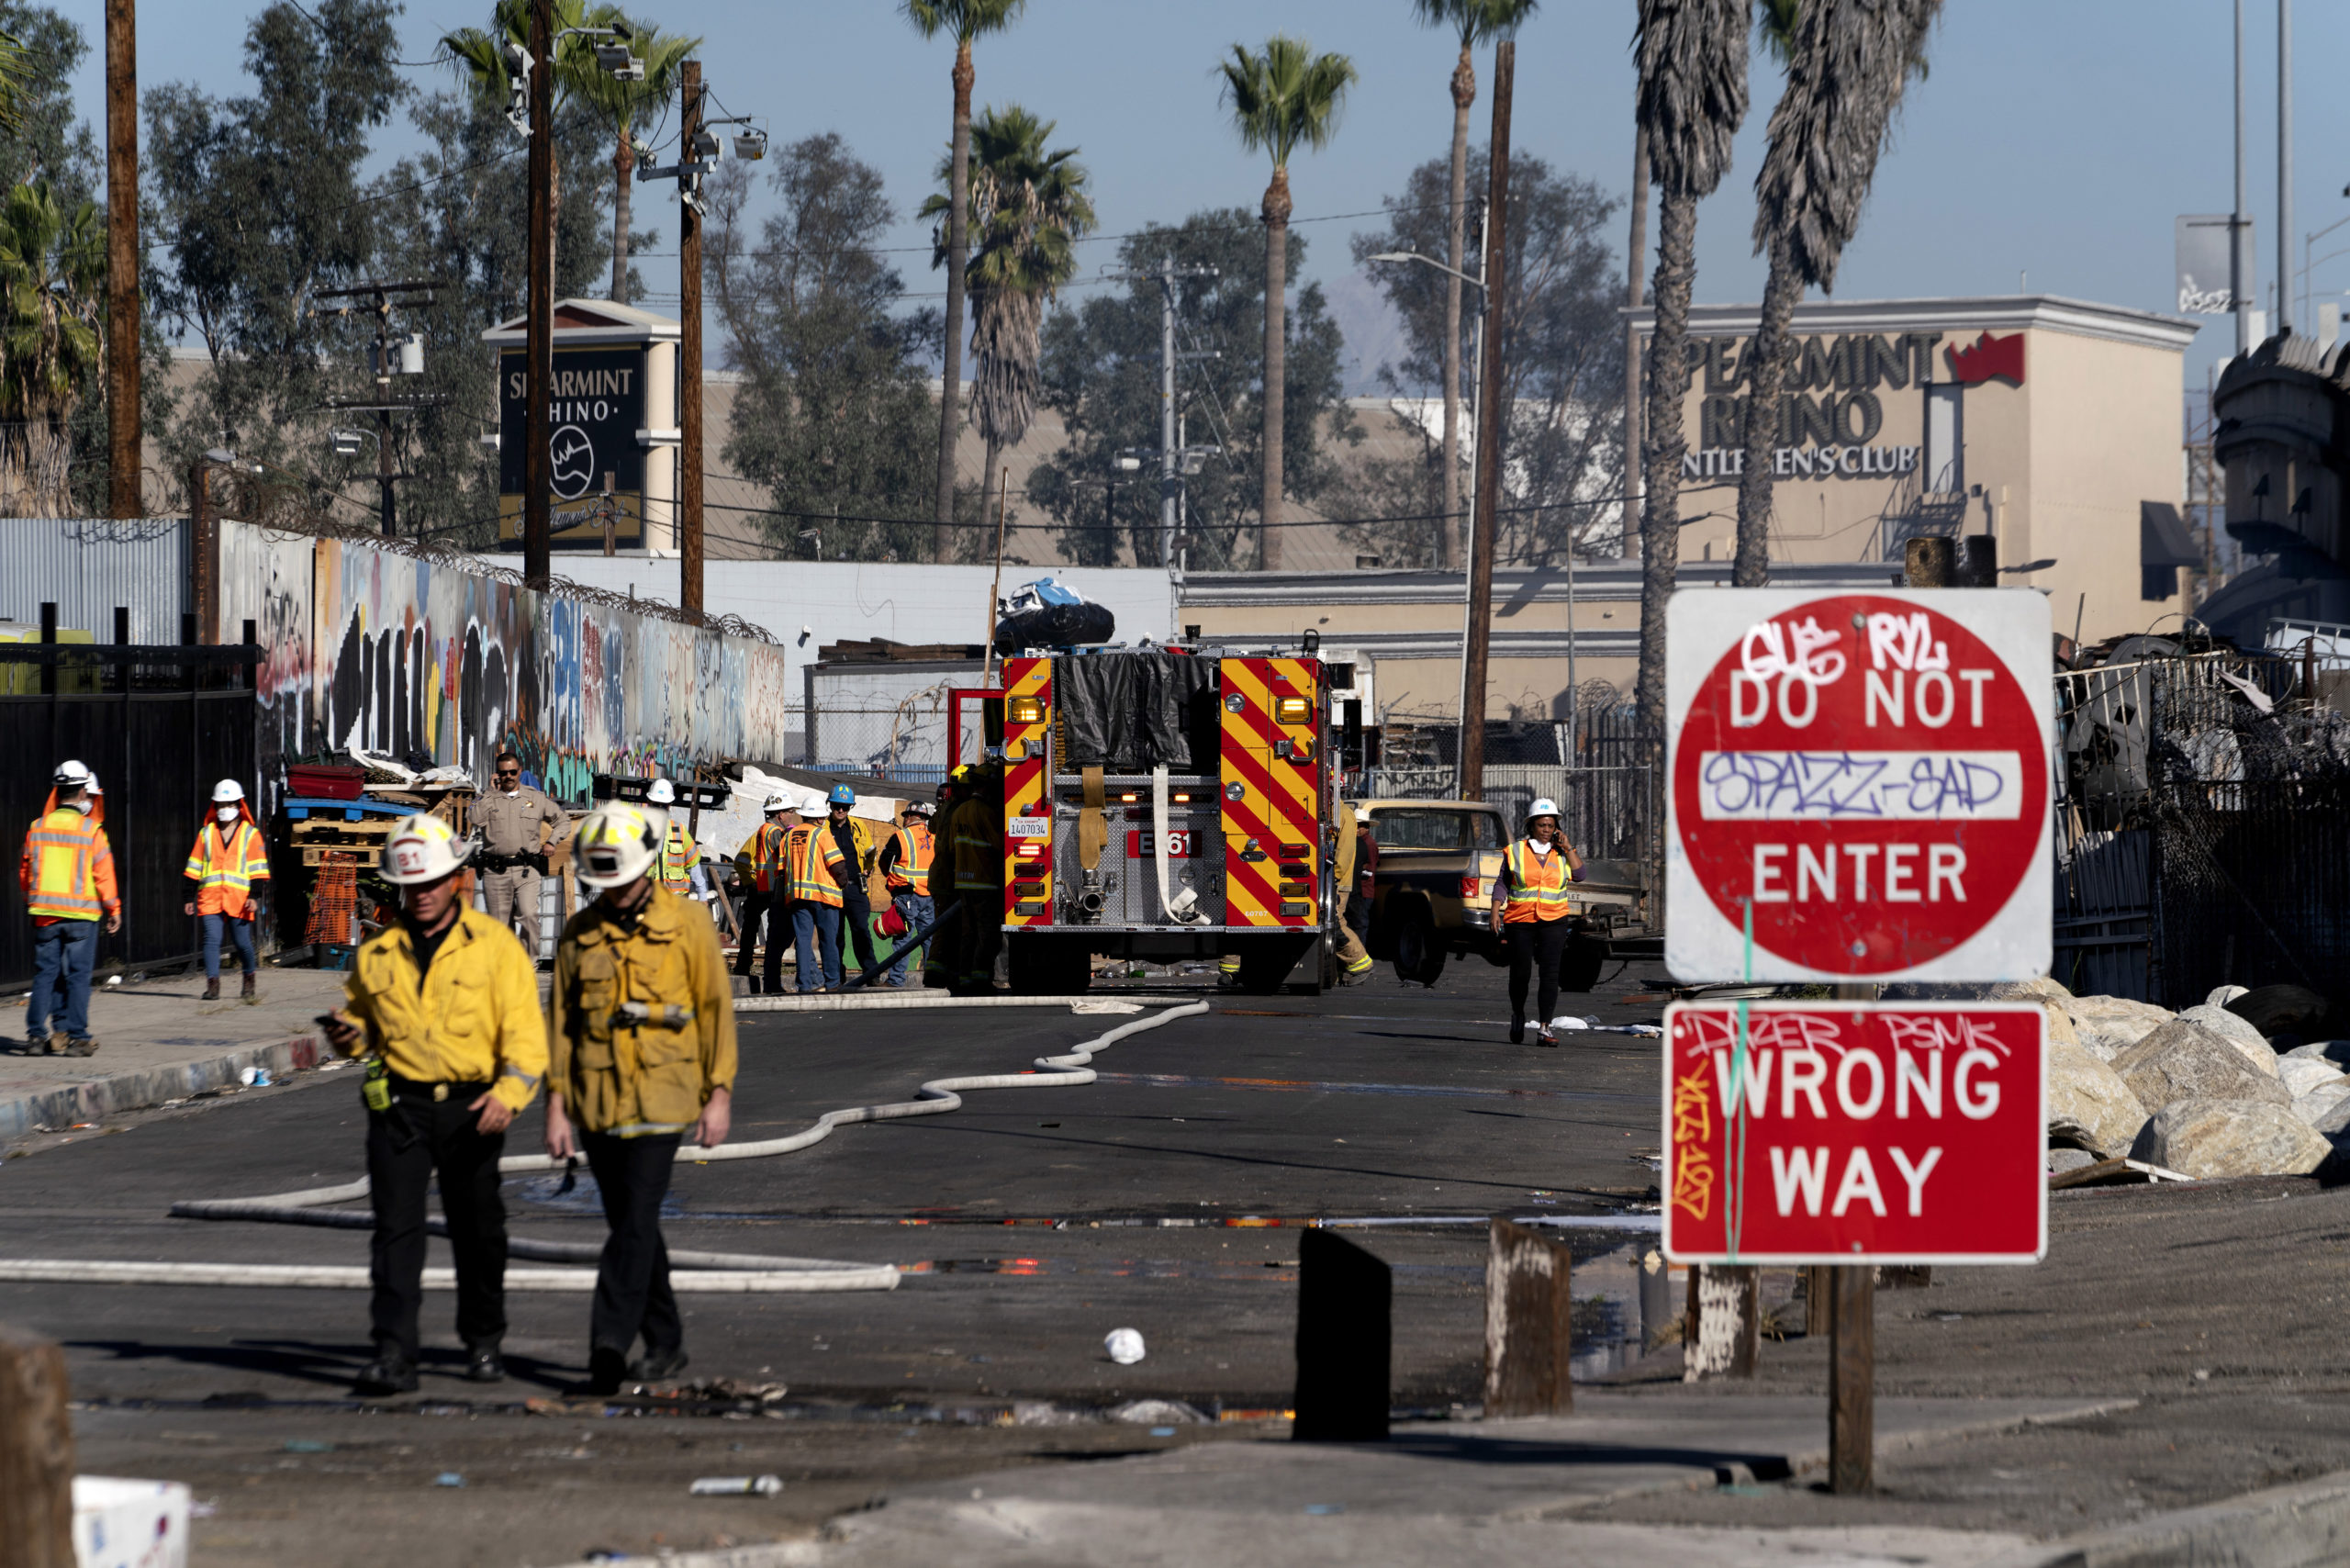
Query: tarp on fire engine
x=1131 y=713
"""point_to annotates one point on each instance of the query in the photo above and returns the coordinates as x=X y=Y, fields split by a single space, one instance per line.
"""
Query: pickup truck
x=1433 y=894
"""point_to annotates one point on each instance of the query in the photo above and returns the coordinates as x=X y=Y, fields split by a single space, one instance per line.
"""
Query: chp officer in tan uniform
x=516 y=823
x=641 y=1030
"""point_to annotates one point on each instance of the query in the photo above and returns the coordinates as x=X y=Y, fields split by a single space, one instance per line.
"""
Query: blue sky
x=2055 y=139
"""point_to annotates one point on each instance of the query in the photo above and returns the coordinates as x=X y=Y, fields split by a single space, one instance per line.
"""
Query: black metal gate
x=158 y=725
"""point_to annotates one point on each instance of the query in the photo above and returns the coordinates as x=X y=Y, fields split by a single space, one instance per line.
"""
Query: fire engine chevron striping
x=1279 y=801
x=705 y=1272
x=1025 y=786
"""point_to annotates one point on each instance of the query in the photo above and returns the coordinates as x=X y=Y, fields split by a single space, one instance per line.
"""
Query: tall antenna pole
x=2240 y=226
x=689 y=568
x=539 y=345
x=1491 y=419
x=124 y=495
x=2284 y=165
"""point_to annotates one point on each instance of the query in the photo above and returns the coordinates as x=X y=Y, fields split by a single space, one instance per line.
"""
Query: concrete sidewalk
x=158 y=1040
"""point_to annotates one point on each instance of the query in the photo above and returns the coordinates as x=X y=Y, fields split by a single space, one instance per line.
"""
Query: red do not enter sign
x=1859 y=785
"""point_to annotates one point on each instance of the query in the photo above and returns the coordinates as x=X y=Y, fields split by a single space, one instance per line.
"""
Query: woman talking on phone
x=1531 y=897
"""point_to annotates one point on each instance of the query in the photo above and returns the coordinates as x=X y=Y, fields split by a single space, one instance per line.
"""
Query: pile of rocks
x=2206 y=1092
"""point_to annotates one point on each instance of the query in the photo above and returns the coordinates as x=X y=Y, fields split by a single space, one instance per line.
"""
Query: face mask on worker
x=85 y=805
x=226 y=814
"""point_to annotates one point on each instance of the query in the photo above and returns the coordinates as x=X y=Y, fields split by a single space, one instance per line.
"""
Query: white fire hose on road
x=707 y=1272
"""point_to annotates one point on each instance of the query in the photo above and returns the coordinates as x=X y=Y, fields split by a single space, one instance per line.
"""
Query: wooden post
x=1723 y=1332
x=125 y=495
x=1471 y=747
x=1818 y=1301
x=690 y=492
x=204 y=553
x=1344 y=1348
x=1528 y=1331
x=1851 y=1381
x=36 y=1454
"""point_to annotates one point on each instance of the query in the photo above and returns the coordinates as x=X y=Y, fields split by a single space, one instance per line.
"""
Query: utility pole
x=538 y=346
x=1490 y=423
x=1167 y=460
x=2239 y=225
x=124 y=458
x=379 y=300
x=2284 y=165
x=690 y=494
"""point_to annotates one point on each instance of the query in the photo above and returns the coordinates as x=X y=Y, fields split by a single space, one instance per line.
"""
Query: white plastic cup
x=1125 y=1345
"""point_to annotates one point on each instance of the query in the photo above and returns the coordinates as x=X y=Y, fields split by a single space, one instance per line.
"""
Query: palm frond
x=961 y=20
x=1286 y=96
x=1692 y=95
x=1852 y=60
x=1476 y=21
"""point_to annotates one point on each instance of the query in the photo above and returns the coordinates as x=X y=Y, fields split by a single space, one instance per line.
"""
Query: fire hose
x=707 y=1272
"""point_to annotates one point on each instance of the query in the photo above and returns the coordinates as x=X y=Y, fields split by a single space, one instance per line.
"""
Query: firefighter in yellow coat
x=642 y=1029
x=227 y=859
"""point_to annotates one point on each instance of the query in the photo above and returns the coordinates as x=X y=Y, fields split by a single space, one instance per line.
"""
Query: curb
x=2301 y=1525
x=22 y=1114
x=849 y=1003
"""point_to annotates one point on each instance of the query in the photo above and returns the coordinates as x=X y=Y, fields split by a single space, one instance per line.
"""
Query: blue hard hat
x=842 y=795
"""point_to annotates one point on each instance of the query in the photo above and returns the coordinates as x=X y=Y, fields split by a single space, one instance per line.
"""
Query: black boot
x=658 y=1365
x=607 y=1369
x=1517 y=1031
x=390 y=1372
x=484 y=1364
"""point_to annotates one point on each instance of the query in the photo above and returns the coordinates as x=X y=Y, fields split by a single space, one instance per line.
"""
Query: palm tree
x=1691 y=101
x=966 y=20
x=1476 y=21
x=478 y=56
x=1027 y=208
x=618 y=104
x=1284 y=97
x=52 y=279
x=1848 y=61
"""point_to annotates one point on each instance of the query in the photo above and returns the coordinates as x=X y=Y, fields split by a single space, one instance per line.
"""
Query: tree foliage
x=834 y=414
x=52 y=283
x=1561 y=365
x=1100 y=374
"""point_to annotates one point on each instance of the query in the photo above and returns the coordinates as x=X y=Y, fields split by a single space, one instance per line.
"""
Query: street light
x=1468 y=558
x=2309 y=243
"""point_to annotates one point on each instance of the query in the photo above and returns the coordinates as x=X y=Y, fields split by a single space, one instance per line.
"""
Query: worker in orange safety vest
x=227 y=859
x=67 y=874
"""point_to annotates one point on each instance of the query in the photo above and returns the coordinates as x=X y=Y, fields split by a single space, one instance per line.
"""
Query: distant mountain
x=1374 y=332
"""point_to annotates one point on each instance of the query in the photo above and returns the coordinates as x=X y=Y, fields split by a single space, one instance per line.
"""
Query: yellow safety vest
x=224 y=870
x=677 y=860
x=1537 y=883
x=67 y=872
x=910 y=872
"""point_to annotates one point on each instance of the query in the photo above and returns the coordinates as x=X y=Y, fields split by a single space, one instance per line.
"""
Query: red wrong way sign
x=1858 y=785
x=1855 y=1133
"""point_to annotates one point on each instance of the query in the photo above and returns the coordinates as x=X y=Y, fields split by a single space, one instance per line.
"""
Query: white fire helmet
x=617 y=842
x=660 y=792
x=227 y=791
x=424 y=849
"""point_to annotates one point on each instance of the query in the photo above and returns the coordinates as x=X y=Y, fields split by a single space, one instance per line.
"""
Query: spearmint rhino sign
x=595 y=408
x=1831 y=410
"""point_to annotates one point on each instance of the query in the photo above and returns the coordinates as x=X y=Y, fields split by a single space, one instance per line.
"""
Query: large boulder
x=2335 y=1051
x=2223 y=994
x=2108 y=1025
x=2282 y=1010
x=2089 y=1105
x=2060 y=1026
x=2302 y=1074
x=2334 y=1123
x=2237 y=1032
x=2209 y=1137
x=2040 y=990
x=2186 y=1061
x=2316 y=1104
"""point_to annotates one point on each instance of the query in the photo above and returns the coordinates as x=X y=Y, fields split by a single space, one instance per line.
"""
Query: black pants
x=633 y=1293
x=773 y=940
x=405 y=1145
x=856 y=927
x=1536 y=944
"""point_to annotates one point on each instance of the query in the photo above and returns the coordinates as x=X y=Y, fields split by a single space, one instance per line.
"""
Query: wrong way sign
x=1858 y=785
x=1851 y=1133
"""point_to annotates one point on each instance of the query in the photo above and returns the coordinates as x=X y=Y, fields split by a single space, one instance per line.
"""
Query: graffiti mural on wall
x=371 y=648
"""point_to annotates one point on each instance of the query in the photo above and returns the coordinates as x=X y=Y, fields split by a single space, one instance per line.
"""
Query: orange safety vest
x=225 y=869
x=812 y=858
x=1537 y=883
x=67 y=872
x=762 y=855
x=910 y=872
x=677 y=860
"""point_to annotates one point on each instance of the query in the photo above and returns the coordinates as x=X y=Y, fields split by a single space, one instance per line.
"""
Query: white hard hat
x=660 y=792
x=424 y=849
x=72 y=776
x=227 y=789
x=778 y=803
x=617 y=842
x=1543 y=807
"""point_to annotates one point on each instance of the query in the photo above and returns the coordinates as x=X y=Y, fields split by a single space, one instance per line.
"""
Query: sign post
x=1858 y=792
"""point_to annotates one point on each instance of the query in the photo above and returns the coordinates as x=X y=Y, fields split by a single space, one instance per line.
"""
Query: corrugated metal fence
x=88 y=566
